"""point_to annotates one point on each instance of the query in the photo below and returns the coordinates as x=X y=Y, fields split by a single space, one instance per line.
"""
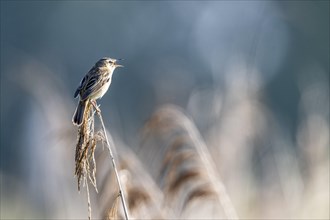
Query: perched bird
x=94 y=85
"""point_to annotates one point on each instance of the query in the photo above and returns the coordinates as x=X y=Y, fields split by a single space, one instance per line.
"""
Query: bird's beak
x=118 y=65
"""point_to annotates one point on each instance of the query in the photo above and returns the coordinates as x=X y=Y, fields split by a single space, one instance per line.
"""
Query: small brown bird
x=94 y=85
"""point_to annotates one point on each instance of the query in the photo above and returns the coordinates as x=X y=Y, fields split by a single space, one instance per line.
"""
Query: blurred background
x=252 y=76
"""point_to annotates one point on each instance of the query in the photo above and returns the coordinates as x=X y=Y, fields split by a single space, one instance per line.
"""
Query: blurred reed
x=144 y=198
x=182 y=167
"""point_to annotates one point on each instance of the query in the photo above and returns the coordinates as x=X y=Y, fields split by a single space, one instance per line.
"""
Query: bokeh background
x=253 y=76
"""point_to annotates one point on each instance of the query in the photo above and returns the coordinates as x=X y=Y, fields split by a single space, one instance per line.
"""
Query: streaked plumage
x=94 y=85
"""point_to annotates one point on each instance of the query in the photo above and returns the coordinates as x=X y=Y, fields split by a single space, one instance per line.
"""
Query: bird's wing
x=82 y=84
x=93 y=84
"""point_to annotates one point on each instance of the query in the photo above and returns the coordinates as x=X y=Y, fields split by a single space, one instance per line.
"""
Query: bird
x=94 y=85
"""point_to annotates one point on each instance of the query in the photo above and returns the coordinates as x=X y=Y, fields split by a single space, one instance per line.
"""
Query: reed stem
x=122 y=196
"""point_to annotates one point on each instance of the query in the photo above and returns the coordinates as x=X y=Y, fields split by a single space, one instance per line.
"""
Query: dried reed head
x=183 y=167
x=85 y=148
x=85 y=152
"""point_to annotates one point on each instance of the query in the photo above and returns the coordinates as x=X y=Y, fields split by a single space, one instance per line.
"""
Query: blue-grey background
x=170 y=49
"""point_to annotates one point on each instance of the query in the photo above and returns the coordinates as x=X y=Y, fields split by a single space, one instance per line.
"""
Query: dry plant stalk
x=85 y=150
x=121 y=194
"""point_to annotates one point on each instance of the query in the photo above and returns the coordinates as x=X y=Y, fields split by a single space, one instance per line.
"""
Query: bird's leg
x=96 y=106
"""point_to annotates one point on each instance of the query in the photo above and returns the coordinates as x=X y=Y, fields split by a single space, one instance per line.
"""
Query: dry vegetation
x=224 y=156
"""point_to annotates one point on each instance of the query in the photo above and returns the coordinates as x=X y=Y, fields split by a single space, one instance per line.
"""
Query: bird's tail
x=79 y=113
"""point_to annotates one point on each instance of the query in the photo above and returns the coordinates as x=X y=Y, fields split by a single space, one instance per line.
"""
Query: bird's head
x=108 y=63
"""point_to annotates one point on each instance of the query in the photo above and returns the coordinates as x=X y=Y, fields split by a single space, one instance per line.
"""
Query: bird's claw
x=96 y=106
